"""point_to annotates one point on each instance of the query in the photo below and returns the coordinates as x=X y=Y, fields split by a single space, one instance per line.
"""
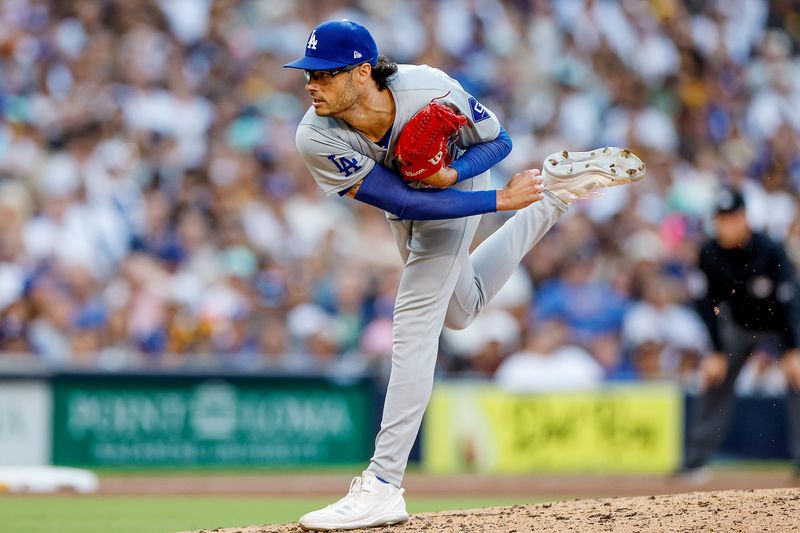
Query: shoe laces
x=358 y=486
x=349 y=498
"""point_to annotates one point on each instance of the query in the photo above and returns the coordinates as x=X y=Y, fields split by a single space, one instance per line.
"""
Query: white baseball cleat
x=369 y=503
x=573 y=175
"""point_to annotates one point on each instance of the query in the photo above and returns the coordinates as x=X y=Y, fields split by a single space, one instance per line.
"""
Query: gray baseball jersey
x=338 y=156
x=441 y=281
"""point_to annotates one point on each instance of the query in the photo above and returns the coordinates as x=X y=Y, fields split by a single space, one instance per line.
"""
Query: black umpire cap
x=728 y=200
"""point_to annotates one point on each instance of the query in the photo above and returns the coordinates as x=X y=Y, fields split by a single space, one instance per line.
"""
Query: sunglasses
x=324 y=76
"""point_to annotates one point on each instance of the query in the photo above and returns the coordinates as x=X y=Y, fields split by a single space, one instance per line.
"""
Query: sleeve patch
x=345 y=165
x=478 y=111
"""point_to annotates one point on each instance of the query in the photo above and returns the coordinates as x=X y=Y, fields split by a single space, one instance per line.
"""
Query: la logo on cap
x=312 y=41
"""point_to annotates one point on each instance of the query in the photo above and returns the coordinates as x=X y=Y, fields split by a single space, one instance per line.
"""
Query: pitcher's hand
x=525 y=188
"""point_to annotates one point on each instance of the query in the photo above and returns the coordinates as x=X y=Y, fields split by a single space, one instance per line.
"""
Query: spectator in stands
x=591 y=308
x=549 y=363
x=659 y=333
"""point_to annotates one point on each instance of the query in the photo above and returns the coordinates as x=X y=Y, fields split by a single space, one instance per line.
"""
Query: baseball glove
x=422 y=146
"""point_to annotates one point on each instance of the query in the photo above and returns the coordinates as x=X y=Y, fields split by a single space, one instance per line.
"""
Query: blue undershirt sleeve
x=479 y=158
x=384 y=189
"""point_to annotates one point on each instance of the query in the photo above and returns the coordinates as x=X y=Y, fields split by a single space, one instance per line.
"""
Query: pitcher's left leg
x=437 y=251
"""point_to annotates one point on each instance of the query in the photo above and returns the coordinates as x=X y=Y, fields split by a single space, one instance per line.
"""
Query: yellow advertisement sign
x=631 y=428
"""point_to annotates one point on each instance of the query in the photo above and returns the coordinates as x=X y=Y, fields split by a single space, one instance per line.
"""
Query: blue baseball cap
x=336 y=44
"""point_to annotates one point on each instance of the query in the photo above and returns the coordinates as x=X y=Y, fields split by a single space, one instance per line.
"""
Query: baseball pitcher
x=410 y=140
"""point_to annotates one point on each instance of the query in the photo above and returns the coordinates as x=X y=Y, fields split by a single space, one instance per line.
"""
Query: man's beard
x=344 y=101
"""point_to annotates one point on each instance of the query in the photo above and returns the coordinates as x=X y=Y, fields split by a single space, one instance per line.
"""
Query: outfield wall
x=201 y=420
x=25 y=422
x=619 y=429
x=211 y=419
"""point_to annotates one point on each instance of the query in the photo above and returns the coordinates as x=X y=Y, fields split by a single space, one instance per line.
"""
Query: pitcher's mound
x=729 y=511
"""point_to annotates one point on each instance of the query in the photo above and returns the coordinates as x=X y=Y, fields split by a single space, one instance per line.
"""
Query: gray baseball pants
x=443 y=284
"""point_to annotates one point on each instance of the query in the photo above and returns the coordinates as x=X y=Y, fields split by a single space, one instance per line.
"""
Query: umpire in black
x=750 y=302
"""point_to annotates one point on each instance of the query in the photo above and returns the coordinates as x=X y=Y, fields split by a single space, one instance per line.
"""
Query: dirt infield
x=769 y=510
x=740 y=500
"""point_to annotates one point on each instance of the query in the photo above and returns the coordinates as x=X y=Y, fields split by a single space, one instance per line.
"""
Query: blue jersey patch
x=478 y=111
x=344 y=165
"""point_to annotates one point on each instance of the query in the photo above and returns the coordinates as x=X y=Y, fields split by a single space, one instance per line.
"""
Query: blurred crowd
x=154 y=211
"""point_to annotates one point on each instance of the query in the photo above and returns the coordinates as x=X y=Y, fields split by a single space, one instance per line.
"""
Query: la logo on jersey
x=312 y=41
x=478 y=111
x=344 y=165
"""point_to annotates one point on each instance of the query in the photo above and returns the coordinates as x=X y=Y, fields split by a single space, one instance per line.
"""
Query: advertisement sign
x=126 y=421
x=634 y=428
x=24 y=423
